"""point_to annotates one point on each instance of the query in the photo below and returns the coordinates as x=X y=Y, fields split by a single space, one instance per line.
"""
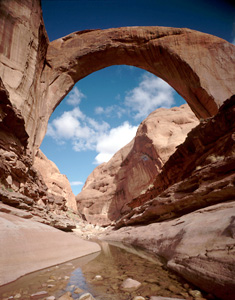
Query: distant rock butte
x=112 y=185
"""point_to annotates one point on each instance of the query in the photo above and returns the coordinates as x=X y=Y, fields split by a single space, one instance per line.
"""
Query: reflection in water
x=102 y=275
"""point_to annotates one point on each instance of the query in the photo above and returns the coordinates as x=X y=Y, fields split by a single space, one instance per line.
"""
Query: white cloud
x=81 y=130
x=110 y=111
x=233 y=42
x=99 y=110
x=87 y=134
x=109 y=143
x=75 y=96
x=76 y=183
x=151 y=93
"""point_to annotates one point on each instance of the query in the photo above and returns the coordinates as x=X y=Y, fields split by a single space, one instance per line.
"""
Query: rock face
x=57 y=183
x=24 y=42
x=200 y=172
x=16 y=170
x=21 y=185
x=112 y=185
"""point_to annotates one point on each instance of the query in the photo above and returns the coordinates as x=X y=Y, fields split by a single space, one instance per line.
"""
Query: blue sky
x=102 y=112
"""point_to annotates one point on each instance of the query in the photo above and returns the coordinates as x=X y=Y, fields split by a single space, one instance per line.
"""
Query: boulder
x=130 y=285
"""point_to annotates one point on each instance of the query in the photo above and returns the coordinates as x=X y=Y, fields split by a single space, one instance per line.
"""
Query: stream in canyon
x=102 y=275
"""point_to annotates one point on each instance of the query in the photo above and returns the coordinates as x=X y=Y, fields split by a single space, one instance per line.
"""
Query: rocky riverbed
x=115 y=273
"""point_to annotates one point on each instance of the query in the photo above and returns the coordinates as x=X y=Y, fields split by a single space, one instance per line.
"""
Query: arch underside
x=193 y=63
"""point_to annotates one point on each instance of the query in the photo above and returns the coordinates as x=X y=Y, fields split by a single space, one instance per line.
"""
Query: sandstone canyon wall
x=112 y=185
x=188 y=215
x=37 y=74
x=200 y=173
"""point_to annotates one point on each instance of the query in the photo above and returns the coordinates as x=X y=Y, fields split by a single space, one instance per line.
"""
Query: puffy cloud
x=109 y=143
x=151 y=93
x=87 y=134
x=81 y=130
x=74 y=97
x=67 y=125
x=76 y=183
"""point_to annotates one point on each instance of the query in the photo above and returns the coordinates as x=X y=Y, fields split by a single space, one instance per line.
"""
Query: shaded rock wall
x=16 y=170
x=23 y=47
x=112 y=185
x=21 y=184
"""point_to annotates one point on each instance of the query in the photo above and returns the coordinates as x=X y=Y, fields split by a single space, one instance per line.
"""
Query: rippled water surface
x=102 y=275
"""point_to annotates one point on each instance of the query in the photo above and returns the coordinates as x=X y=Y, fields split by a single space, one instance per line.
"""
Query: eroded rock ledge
x=199 y=246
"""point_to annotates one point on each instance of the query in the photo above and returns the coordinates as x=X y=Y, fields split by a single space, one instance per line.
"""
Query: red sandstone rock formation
x=199 y=173
x=35 y=75
x=39 y=74
x=112 y=185
x=57 y=183
x=197 y=242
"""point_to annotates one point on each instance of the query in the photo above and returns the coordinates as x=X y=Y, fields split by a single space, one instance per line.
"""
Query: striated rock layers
x=112 y=185
x=199 y=246
x=21 y=184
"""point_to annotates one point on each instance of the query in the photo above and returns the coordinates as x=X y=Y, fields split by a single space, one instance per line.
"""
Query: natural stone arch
x=200 y=67
x=38 y=74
